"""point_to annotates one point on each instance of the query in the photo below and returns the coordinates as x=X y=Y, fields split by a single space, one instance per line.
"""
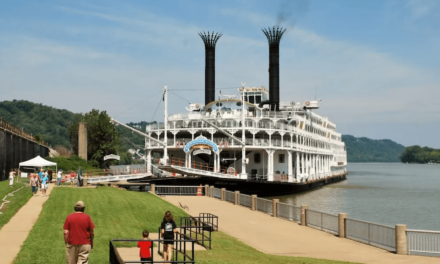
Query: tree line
x=417 y=154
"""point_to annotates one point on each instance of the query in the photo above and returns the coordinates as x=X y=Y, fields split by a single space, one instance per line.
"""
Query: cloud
x=116 y=65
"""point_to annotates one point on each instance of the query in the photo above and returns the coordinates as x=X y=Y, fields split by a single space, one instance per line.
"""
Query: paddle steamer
x=252 y=143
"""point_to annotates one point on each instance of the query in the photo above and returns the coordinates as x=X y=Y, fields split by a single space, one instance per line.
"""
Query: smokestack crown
x=210 y=39
x=274 y=35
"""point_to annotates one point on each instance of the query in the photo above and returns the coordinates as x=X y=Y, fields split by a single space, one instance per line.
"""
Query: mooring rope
x=9 y=194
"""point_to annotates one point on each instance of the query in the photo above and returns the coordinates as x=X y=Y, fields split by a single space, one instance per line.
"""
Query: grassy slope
x=19 y=199
x=116 y=214
x=227 y=249
x=124 y=214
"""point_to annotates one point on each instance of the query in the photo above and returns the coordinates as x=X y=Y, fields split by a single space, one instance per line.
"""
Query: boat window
x=257 y=158
x=251 y=99
x=281 y=158
x=258 y=99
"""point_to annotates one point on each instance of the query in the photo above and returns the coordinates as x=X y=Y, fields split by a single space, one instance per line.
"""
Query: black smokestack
x=274 y=37
x=210 y=39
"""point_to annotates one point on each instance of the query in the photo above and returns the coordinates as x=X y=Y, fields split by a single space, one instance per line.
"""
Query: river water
x=383 y=193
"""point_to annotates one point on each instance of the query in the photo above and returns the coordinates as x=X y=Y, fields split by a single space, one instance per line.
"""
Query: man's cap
x=80 y=204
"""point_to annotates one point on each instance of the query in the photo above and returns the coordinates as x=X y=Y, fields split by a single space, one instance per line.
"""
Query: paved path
x=281 y=237
x=15 y=232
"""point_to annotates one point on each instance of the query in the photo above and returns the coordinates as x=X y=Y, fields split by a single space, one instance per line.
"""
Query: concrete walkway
x=281 y=237
x=15 y=232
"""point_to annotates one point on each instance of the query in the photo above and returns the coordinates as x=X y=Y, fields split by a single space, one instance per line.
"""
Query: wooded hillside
x=363 y=149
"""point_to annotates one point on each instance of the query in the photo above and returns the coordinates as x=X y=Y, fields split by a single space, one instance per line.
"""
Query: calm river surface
x=383 y=193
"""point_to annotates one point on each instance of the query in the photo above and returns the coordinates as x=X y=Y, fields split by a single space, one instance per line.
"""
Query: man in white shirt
x=59 y=175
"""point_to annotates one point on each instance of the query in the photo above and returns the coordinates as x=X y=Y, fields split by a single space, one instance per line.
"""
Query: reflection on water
x=385 y=193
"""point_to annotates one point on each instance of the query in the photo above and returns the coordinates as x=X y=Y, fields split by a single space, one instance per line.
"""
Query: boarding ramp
x=111 y=178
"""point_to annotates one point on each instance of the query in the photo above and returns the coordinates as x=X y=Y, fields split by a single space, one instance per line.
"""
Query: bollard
x=401 y=241
x=153 y=188
x=211 y=193
x=303 y=214
x=223 y=194
x=341 y=224
x=206 y=189
x=274 y=207
x=237 y=198
x=254 y=202
x=84 y=182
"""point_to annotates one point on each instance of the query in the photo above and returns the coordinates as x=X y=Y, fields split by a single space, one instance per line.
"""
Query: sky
x=374 y=64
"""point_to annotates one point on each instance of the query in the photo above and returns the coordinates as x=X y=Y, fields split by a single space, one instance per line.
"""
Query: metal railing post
x=274 y=207
x=341 y=224
x=401 y=240
x=237 y=198
x=303 y=214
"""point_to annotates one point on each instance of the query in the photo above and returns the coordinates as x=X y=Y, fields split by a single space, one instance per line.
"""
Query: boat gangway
x=111 y=178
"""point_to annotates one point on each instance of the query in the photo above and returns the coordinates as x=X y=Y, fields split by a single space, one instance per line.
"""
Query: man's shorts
x=34 y=188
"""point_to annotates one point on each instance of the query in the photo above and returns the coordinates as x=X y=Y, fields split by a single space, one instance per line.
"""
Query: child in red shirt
x=145 y=246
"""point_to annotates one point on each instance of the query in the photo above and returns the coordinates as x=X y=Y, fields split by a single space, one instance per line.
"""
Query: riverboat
x=252 y=143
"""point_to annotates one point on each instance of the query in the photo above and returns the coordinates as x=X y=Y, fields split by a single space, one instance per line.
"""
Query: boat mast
x=165 y=138
x=243 y=138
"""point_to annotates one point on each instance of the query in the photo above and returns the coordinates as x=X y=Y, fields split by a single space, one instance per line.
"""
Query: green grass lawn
x=125 y=214
x=227 y=249
x=19 y=199
x=115 y=213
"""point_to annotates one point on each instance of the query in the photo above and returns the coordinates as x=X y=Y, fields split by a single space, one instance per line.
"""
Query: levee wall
x=15 y=149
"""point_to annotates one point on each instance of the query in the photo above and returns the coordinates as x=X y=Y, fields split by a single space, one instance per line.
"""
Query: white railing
x=289 y=212
x=264 y=205
x=370 y=233
x=423 y=242
x=217 y=193
x=230 y=196
x=323 y=221
x=116 y=177
x=245 y=200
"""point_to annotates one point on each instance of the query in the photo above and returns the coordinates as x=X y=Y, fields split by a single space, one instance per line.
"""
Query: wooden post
x=341 y=223
x=401 y=240
x=153 y=188
x=211 y=193
x=206 y=190
x=237 y=198
x=274 y=207
x=303 y=214
x=254 y=202
x=223 y=194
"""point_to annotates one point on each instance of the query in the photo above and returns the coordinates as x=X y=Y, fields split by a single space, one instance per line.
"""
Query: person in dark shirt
x=168 y=228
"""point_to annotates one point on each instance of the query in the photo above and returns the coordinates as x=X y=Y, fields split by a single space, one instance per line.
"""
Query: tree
x=102 y=137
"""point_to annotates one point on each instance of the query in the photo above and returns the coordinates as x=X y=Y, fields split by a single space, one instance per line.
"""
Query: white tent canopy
x=37 y=162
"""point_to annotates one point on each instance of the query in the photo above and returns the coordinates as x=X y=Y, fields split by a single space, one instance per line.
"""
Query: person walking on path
x=168 y=228
x=49 y=174
x=44 y=185
x=145 y=246
x=11 y=178
x=34 y=183
x=78 y=235
x=59 y=175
